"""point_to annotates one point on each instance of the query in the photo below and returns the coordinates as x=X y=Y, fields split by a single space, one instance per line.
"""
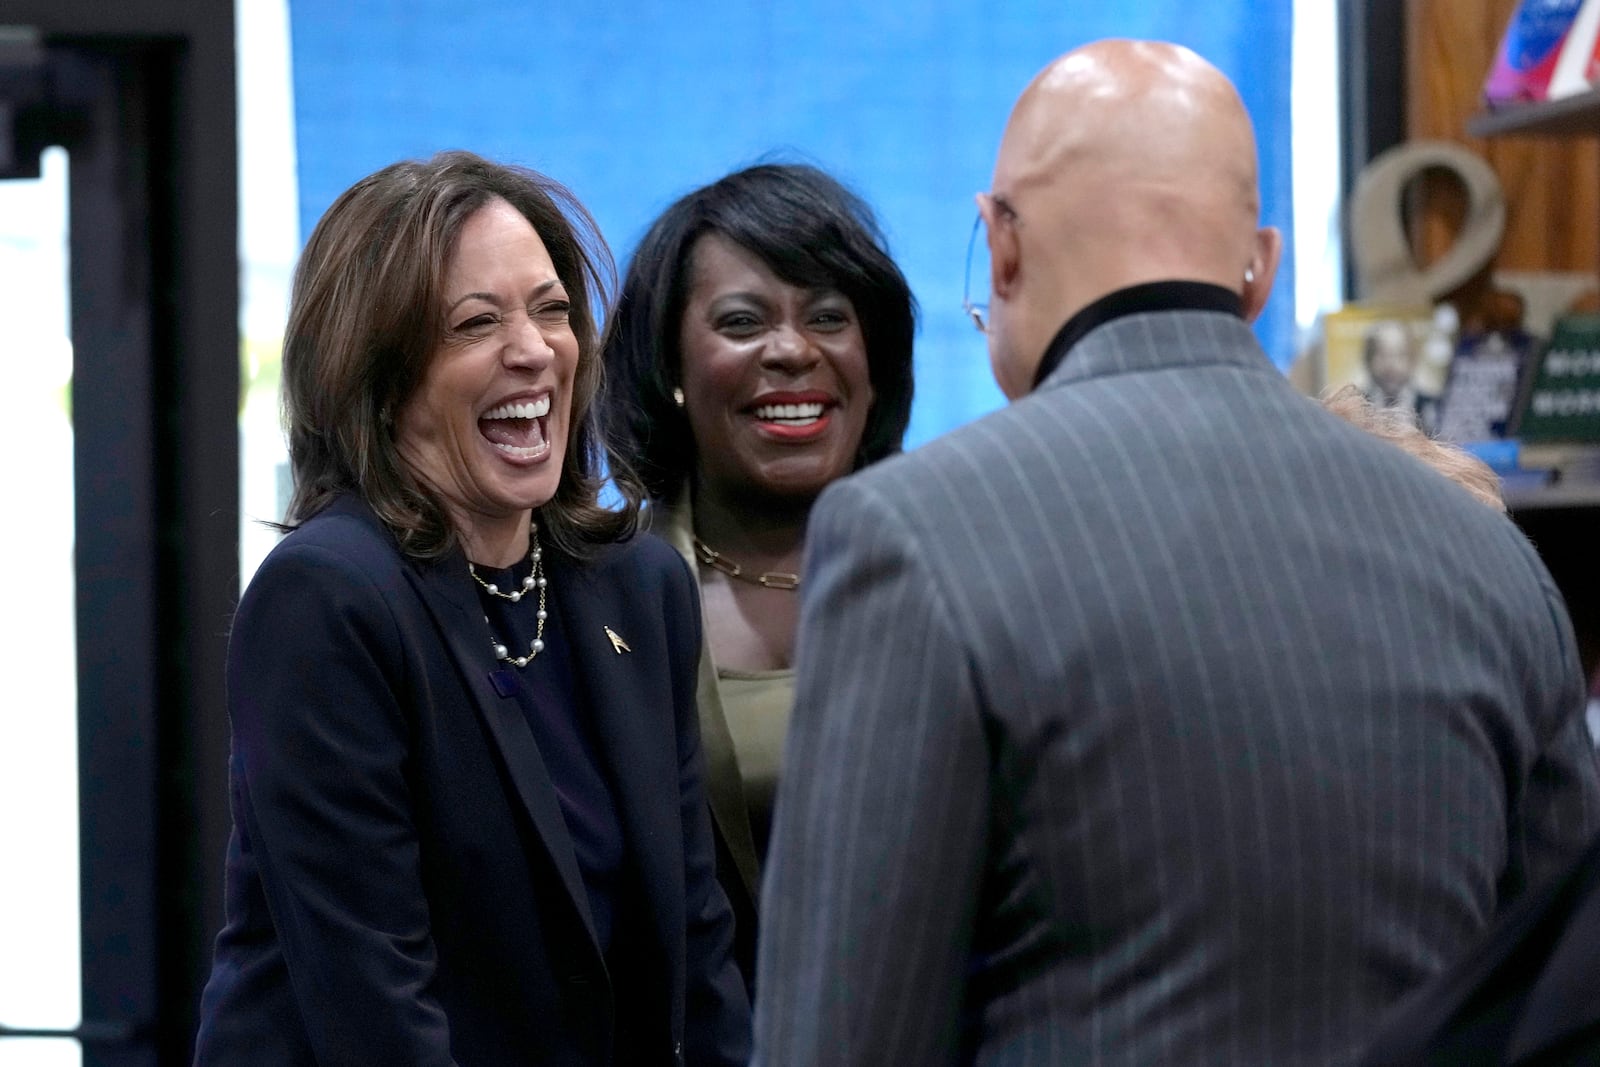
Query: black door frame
x=1372 y=90
x=142 y=93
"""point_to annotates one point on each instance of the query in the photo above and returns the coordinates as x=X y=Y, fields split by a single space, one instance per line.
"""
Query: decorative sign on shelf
x=1562 y=401
x=1387 y=268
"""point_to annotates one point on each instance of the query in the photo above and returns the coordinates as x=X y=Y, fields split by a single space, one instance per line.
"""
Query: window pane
x=1318 y=250
x=40 y=973
x=268 y=245
x=40 y=1052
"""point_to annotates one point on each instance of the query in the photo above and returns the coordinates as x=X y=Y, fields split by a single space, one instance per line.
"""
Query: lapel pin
x=505 y=682
x=617 y=642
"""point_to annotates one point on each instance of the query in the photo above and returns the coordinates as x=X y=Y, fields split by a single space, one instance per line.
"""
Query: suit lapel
x=447 y=590
x=625 y=690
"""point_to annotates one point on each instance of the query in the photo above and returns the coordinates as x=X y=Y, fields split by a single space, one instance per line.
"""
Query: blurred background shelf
x=1558 y=495
x=1571 y=116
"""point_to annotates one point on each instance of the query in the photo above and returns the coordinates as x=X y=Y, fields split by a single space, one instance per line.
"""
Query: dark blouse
x=559 y=717
x=558 y=713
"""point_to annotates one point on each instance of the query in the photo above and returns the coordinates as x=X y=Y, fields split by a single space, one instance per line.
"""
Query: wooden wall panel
x=1552 y=185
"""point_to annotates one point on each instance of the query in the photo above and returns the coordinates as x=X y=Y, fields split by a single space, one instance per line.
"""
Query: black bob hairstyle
x=812 y=232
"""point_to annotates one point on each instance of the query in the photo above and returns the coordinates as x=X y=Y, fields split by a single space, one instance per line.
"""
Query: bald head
x=1124 y=162
x=1141 y=112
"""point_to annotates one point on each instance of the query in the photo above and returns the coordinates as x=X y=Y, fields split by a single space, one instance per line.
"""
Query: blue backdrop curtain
x=633 y=104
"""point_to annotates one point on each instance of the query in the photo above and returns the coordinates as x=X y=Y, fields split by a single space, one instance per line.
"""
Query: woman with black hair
x=760 y=349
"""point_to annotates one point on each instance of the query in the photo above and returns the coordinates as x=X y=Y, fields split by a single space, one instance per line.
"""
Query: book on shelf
x=1560 y=401
x=1556 y=419
x=1575 y=460
x=1579 y=62
x=1481 y=393
x=1387 y=351
x=1563 y=465
x=1548 y=51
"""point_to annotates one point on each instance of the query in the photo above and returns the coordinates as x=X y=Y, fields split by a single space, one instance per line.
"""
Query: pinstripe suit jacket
x=1159 y=717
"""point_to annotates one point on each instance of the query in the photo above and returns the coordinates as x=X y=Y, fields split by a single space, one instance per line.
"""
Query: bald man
x=1162 y=716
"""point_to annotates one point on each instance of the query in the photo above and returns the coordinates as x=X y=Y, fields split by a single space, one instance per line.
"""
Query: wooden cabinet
x=1547 y=157
x=1551 y=179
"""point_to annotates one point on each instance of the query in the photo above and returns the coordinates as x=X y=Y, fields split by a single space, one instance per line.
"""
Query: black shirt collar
x=1150 y=296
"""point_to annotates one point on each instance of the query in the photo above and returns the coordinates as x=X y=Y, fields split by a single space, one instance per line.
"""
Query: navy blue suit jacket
x=401 y=886
x=1525 y=997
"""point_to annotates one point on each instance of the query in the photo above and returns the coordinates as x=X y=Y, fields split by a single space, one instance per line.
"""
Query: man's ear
x=1005 y=259
x=1263 y=268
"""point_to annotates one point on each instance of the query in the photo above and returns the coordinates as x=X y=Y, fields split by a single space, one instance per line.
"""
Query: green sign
x=1563 y=394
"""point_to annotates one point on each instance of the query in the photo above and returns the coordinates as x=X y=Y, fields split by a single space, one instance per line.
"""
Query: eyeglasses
x=979 y=313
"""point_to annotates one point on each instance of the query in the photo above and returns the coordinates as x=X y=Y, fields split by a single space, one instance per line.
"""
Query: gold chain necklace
x=534 y=580
x=767 y=579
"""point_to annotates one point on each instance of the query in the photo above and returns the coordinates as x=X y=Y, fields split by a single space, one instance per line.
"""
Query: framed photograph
x=1379 y=348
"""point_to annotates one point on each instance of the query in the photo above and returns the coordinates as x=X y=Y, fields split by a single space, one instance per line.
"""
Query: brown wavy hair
x=366 y=314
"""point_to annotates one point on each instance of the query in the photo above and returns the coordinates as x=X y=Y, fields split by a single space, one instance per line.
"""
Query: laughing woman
x=469 y=822
x=761 y=349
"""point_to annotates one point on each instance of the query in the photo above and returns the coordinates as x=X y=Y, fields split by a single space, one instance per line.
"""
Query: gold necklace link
x=767 y=579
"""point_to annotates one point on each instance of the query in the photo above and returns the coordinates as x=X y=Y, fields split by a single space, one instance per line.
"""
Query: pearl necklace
x=534 y=580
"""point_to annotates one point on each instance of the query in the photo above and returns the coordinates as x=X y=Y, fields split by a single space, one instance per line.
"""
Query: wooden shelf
x=1571 y=116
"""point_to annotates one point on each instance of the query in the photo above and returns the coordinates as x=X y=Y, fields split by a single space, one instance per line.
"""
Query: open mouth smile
x=518 y=430
x=793 y=418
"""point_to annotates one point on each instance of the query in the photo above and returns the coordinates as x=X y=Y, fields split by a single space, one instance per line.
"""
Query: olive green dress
x=744 y=717
x=756 y=706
